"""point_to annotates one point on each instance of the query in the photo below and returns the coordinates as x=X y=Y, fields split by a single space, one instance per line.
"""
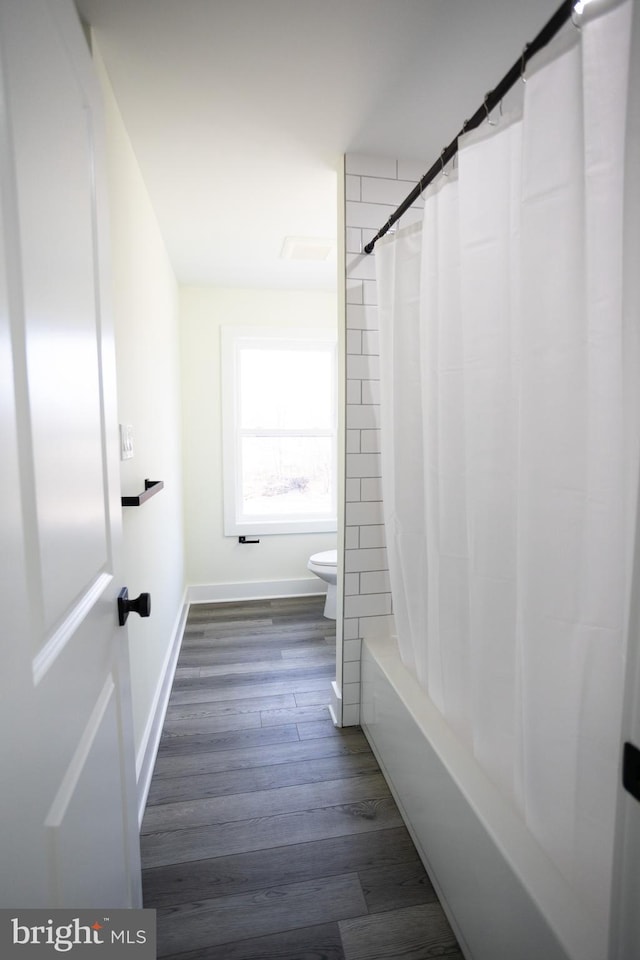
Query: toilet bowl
x=325 y=566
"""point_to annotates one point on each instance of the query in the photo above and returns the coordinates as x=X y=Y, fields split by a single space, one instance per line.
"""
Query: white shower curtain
x=505 y=446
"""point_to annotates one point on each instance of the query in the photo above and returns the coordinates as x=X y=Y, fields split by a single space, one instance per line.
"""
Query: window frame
x=233 y=339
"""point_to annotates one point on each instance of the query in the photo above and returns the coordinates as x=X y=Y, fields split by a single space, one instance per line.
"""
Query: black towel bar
x=151 y=487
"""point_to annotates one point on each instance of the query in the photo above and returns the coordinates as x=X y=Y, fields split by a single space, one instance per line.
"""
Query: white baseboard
x=146 y=758
x=255 y=590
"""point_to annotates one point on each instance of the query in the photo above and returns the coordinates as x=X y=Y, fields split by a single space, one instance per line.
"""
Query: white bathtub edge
x=543 y=914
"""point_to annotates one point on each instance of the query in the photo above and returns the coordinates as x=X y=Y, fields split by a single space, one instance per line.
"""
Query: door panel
x=87 y=794
x=53 y=169
x=68 y=812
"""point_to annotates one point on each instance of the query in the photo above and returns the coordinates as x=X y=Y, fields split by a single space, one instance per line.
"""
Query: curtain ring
x=442 y=170
x=576 y=12
x=491 y=122
x=523 y=63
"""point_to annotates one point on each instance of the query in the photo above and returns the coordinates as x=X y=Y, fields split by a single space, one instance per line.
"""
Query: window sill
x=266 y=528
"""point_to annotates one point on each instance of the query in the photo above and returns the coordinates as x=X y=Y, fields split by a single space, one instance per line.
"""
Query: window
x=279 y=430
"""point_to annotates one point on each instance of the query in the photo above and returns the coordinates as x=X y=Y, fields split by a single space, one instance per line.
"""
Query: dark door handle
x=141 y=605
x=631 y=770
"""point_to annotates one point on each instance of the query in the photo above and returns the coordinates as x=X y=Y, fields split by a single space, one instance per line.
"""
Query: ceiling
x=239 y=110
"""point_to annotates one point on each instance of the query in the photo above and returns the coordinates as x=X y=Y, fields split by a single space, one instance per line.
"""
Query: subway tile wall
x=374 y=187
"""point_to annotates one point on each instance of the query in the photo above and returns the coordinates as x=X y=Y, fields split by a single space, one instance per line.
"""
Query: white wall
x=374 y=187
x=145 y=308
x=218 y=567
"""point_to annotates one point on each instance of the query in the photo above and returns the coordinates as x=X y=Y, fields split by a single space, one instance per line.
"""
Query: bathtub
x=504 y=897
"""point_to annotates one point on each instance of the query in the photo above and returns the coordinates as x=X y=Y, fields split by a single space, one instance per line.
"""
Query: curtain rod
x=492 y=99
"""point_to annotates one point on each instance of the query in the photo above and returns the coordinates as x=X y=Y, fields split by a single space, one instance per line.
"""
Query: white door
x=68 y=825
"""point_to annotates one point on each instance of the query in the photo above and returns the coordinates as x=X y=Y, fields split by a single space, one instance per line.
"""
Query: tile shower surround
x=374 y=187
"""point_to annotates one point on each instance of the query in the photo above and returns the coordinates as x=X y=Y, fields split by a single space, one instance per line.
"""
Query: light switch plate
x=126 y=441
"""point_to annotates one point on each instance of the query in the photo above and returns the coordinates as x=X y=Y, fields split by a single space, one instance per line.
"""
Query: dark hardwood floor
x=269 y=833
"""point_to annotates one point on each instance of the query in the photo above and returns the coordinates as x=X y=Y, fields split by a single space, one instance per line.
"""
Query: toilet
x=325 y=566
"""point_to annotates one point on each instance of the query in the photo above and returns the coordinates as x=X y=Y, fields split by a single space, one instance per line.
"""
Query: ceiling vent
x=307 y=248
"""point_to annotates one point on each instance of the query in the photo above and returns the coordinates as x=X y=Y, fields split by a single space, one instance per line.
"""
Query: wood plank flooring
x=270 y=834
